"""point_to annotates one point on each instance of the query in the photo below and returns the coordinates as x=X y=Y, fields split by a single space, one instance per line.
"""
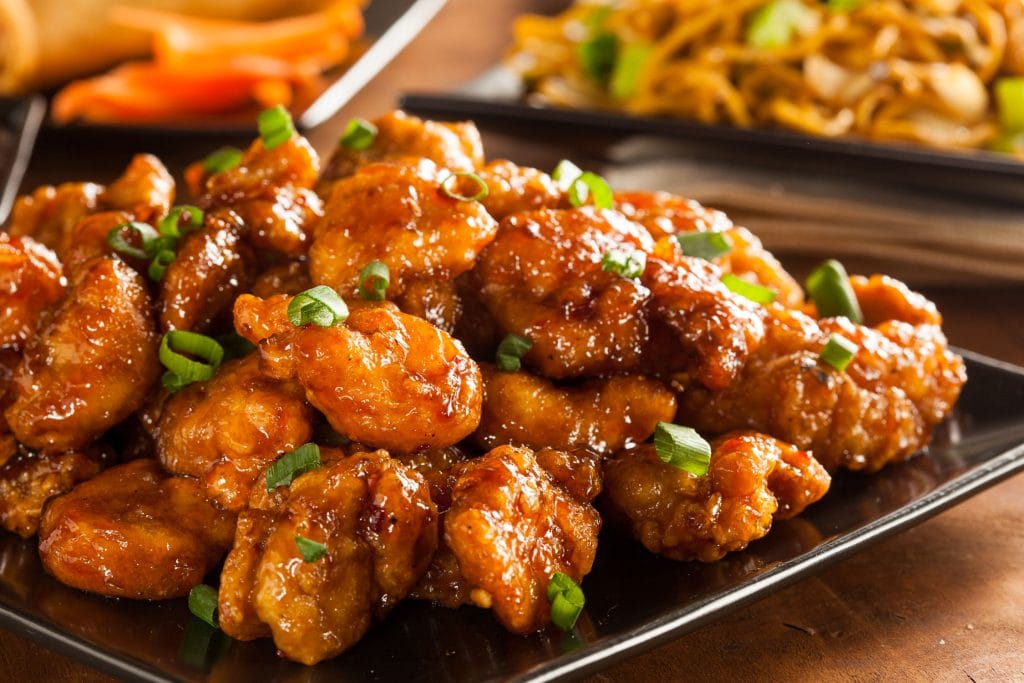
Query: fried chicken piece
x=665 y=214
x=88 y=239
x=437 y=467
x=455 y=146
x=717 y=329
x=134 y=532
x=227 y=430
x=399 y=215
x=514 y=189
x=9 y=360
x=902 y=382
x=379 y=526
x=212 y=267
x=511 y=527
x=606 y=415
x=91 y=365
x=286 y=278
x=145 y=190
x=31 y=279
x=29 y=479
x=382 y=378
x=751 y=479
x=883 y=298
x=272 y=191
x=542 y=279
x=437 y=302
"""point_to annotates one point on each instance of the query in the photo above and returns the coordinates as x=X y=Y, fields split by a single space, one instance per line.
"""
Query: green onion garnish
x=147 y=234
x=511 y=349
x=1010 y=98
x=275 y=126
x=567 y=600
x=374 y=279
x=565 y=174
x=359 y=134
x=202 y=602
x=597 y=55
x=705 y=245
x=592 y=185
x=171 y=225
x=158 y=266
x=748 y=290
x=319 y=305
x=839 y=351
x=844 y=5
x=481 y=187
x=182 y=370
x=283 y=472
x=310 y=550
x=628 y=68
x=628 y=264
x=830 y=290
x=682 y=447
x=224 y=159
x=775 y=24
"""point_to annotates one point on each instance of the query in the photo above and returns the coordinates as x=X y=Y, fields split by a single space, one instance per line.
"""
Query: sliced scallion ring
x=147 y=235
x=310 y=550
x=289 y=466
x=705 y=245
x=839 y=352
x=567 y=601
x=830 y=290
x=748 y=290
x=319 y=305
x=158 y=266
x=183 y=369
x=590 y=185
x=449 y=187
x=359 y=134
x=172 y=224
x=629 y=264
x=511 y=349
x=202 y=602
x=374 y=279
x=224 y=159
x=682 y=447
x=275 y=126
x=565 y=174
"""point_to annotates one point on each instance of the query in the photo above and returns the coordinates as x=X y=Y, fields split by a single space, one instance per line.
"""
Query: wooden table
x=943 y=601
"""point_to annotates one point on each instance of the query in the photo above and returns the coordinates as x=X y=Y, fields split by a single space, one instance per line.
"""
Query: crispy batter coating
x=716 y=328
x=227 y=430
x=397 y=214
x=9 y=360
x=91 y=365
x=514 y=189
x=212 y=267
x=902 y=382
x=437 y=302
x=456 y=146
x=379 y=526
x=665 y=214
x=145 y=190
x=30 y=479
x=89 y=239
x=511 y=527
x=272 y=191
x=286 y=278
x=383 y=378
x=541 y=279
x=31 y=279
x=687 y=517
x=134 y=532
x=606 y=415
x=883 y=298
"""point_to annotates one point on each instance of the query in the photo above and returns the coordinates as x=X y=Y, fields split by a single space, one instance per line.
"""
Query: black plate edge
x=580 y=663
x=482 y=109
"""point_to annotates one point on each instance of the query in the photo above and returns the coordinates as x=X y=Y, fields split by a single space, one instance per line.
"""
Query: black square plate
x=981 y=444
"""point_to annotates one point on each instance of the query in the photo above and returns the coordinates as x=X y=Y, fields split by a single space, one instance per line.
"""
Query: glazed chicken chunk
x=752 y=479
x=134 y=532
x=31 y=279
x=378 y=525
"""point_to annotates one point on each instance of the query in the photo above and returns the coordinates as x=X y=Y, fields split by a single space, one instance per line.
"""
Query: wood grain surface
x=941 y=602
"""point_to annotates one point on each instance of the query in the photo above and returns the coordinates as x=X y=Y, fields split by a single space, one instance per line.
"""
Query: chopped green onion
x=319 y=305
x=310 y=550
x=171 y=225
x=567 y=600
x=481 y=187
x=182 y=370
x=596 y=17
x=158 y=266
x=628 y=264
x=202 y=602
x=565 y=174
x=359 y=134
x=289 y=466
x=705 y=245
x=1010 y=98
x=844 y=5
x=147 y=234
x=374 y=279
x=830 y=289
x=591 y=185
x=839 y=351
x=775 y=24
x=275 y=126
x=748 y=290
x=511 y=349
x=597 y=55
x=1011 y=142
x=629 y=67
x=682 y=447
x=224 y=159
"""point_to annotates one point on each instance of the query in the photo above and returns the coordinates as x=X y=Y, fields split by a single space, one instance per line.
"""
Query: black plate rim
x=669 y=626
